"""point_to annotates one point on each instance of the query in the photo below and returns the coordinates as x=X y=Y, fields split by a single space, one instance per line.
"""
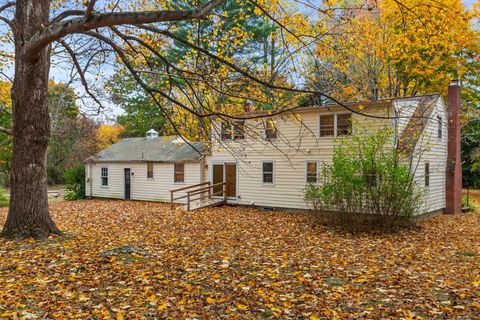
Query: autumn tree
x=392 y=48
x=91 y=33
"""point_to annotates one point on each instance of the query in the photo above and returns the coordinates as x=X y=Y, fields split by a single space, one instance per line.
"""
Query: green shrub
x=75 y=180
x=4 y=201
x=467 y=203
x=366 y=185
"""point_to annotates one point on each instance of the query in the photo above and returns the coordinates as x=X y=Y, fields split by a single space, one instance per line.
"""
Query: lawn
x=237 y=263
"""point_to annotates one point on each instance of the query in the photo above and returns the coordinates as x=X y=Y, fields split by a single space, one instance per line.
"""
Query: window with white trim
x=312 y=172
x=439 y=124
x=179 y=172
x=150 y=170
x=333 y=125
x=267 y=172
x=226 y=130
x=344 y=124
x=427 y=174
x=234 y=130
x=271 y=131
x=327 y=125
x=104 y=176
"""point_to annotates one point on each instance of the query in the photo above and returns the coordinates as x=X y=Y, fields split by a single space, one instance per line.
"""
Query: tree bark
x=28 y=215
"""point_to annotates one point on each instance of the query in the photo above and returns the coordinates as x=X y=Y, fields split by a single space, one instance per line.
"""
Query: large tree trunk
x=28 y=214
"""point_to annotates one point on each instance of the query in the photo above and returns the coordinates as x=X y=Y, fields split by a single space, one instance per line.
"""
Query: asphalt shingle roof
x=160 y=149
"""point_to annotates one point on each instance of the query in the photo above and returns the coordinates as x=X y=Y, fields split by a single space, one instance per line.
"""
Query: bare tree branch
x=7 y=5
x=79 y=25
x=66 y=14
x=80 y=72
x=90 y=6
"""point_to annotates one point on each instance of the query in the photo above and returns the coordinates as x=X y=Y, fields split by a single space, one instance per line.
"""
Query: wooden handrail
x=192 y=186
x=199 y=191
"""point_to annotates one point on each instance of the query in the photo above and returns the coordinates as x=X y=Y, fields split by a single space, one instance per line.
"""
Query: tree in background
x=5 y=139
x=388 y=48
x=73 y=136
x=197 y=72
x=139 y=113
x=108 y=134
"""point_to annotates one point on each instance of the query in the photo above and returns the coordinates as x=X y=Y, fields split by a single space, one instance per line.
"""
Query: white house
x=270 y=164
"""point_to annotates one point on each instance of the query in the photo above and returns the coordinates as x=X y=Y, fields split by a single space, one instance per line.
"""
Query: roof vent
x=151 y=134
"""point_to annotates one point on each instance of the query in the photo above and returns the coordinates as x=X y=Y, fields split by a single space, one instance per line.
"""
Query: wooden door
x=231 y=179
x=217 y=178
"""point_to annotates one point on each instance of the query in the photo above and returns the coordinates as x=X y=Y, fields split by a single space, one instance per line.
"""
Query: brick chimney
x=453 y=185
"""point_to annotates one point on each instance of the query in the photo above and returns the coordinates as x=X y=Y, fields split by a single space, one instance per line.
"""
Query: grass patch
x=3 y=199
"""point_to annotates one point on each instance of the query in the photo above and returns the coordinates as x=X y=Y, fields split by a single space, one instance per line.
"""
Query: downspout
x=202 y=166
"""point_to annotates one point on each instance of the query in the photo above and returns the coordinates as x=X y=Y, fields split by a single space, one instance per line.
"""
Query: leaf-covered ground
x=236 y=263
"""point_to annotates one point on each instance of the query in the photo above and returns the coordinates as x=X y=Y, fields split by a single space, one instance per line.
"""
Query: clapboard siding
x=142 y=188
x=298 y=143
x=433 y=150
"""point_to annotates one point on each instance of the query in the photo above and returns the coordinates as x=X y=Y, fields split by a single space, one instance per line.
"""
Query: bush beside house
x=366 y=185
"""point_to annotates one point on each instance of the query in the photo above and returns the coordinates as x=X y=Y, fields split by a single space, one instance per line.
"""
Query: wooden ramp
x=201 y=195
x=204 y=204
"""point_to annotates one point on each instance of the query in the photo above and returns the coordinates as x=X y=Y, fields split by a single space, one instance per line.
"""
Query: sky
x=62 y=75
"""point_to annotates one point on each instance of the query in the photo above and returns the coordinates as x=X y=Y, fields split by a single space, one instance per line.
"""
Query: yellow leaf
x=242 y=306
x=162 y=307
x=210 y=300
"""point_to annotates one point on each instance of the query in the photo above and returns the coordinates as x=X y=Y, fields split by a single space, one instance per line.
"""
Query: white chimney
x=151 y=134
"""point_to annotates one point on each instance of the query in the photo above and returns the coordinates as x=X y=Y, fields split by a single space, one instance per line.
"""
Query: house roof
x=159 y=149
x=352 y=104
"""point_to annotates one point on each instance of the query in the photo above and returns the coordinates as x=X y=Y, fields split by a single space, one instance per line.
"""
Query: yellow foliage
x=108 y=135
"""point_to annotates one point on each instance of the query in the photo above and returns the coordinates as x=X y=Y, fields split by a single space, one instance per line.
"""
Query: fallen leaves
x=129 y=260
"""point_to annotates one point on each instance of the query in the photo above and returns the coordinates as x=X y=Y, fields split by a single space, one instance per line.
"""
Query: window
x=267 y=168
x=104 y=176
x=270 y=130
x=226 y=130
x=439 y=123
x=233 y=130
x=427 y=174
x=312 y=173
x=332 y=125
x=238 y=130
x=150 y=170
x=327 y=125
x=344 y=124
x=179 y=172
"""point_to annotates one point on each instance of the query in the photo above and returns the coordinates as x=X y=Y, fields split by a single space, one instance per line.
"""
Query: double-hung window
x=312 y=172
x=267 y=172
x=427 y=174
x=149 y=170
x=179 y=172
x=344 y=124
x=104 y=176
x=439 y=130
x=327 y=125
x=226 y=130
x=334 y=125
x=271 y=131
x=234 y=130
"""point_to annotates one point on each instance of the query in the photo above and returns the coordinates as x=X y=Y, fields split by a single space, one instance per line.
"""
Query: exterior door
x=127 y=183
x=217 y=178
x=231 y=179
x=225 y=172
